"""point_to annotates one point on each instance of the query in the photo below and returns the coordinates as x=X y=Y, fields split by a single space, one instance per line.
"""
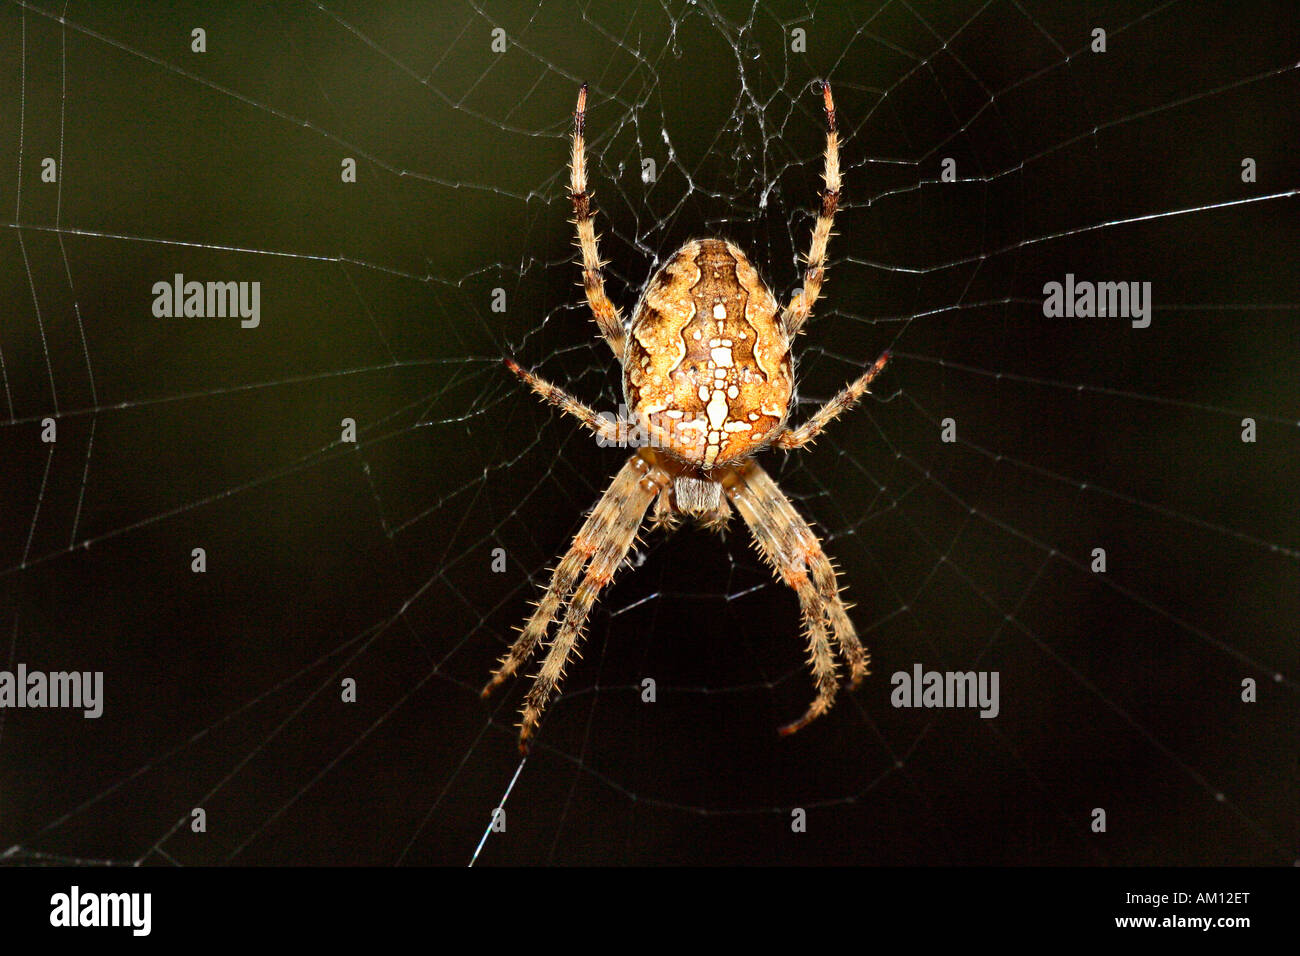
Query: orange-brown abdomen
x=707 y=370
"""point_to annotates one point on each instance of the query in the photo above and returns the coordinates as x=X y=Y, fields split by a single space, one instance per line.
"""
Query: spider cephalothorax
x=708 y=379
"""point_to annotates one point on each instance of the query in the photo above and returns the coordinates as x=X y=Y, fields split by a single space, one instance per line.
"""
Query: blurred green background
x=372 y=561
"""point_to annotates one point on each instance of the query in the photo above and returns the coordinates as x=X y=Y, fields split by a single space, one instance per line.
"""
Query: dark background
x=372 y=561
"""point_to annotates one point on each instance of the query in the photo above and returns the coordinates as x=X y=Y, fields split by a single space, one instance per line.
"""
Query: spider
x=708 y=377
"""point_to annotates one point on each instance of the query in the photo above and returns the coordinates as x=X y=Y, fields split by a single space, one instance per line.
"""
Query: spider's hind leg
x=796 y=313
x=606 y=314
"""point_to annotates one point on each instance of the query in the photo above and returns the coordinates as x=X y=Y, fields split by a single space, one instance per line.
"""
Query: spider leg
x=604 y=311
x=606 y=429
x=586 y=542
x=800 y=307
x=625 y=505
x=792 y=438
x=789 y=545
x=600 y=545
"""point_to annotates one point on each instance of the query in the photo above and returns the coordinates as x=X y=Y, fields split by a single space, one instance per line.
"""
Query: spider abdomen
x=707 y=370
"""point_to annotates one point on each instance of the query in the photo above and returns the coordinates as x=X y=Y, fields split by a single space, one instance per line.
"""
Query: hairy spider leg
x=800 y=308
x=848 y=396
x=603 y=310
x=600 y=546
x=792 y=550
x=603 y=427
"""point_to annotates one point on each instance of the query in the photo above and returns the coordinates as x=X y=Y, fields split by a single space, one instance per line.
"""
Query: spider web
x=373 y=560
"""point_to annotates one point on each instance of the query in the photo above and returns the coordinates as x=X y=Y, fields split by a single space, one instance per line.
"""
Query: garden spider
x=708 y=378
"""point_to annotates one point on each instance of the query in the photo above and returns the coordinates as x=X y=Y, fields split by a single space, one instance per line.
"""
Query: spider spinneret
x=708 y=375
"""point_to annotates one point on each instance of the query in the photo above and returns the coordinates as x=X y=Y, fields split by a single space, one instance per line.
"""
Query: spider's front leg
x=795 y=554
x=600 y=545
